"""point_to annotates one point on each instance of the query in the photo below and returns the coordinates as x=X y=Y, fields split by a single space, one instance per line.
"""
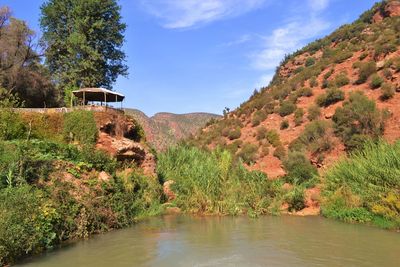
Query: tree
x=83 y=40
x=21 y=71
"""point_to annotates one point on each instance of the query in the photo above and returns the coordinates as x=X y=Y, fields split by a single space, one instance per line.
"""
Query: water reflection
x=206 y=241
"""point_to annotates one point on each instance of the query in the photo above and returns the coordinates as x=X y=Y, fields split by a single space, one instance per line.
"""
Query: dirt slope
x=309 y=89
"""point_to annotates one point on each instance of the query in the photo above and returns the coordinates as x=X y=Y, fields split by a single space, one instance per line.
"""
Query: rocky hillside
x=324 y=100
x=166 y=129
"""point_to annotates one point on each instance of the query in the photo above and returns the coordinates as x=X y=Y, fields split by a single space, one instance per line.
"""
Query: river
x=227 y=241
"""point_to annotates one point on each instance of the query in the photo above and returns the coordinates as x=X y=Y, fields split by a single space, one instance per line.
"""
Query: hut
x=99 y=95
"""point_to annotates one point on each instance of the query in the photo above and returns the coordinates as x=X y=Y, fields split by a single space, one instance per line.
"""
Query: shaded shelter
x=98 y=95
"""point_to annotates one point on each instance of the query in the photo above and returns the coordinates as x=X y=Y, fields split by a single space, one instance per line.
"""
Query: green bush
x=295 y=199
x=332 y=96
x=261 y=133
x=298 y=168
x=358 y=116
x=11 y=125
x=387 y=92
x=284 y=124
x=234 y=134
x=365 y=70
x=286 y=108
x=376 y=81
x=273 y=138
x=27 y=223
x=248 y=153
x=341 y=80
x=313 y=82
x=305 y=91
x=258 y=117
x=360 y=188
x=80 y=126
x=310 y=61
x=314 y=112
x=298 y=116
x=280 y=152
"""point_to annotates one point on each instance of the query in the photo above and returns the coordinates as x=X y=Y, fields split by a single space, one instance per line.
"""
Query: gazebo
x=98 y=95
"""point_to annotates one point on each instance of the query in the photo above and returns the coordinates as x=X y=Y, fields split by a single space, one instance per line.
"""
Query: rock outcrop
x=392 y=9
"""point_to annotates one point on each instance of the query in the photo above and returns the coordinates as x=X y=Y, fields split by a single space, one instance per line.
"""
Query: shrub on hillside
x=261 y=133
x=234 y=134
x=80 y=126
x=248 y=153
x=286 y=108
x=387 y=91
x=11 y=125
x=332 y=96
x=376 y=81
x=280 y=152
x=341 y=80
x=284 y=125
x=298 y=168
x=295 y=199
x=298 y=116
x=310 y=61
x=358 y=116
x=258 y=117
x=273 y=138
x=365 y=71
x=314 y=112
x=313 y=82
x=305 y=91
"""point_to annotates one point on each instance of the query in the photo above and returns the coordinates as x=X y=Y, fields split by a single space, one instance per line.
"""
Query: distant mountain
x=166 y=129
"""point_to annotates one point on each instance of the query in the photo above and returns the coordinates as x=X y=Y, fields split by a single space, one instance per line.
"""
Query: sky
x=205 y=55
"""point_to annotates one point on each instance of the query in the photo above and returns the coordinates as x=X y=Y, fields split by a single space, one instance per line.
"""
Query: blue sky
x=204 y=55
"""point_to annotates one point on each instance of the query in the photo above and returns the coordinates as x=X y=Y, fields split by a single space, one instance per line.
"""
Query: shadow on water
x=227 y=241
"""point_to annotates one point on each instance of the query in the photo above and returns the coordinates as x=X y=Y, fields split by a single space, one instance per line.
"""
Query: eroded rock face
x=392 y=9
x=118 y=137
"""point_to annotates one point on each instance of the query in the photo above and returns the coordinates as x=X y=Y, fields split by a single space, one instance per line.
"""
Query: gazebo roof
x=98 y=94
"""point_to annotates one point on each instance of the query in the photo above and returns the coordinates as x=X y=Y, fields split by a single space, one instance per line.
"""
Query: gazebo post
x=84 y=100
x=72 y=99
x=105 y=99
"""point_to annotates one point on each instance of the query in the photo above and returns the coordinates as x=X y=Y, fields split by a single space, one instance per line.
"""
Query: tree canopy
x=84 y=40
x=21 y=71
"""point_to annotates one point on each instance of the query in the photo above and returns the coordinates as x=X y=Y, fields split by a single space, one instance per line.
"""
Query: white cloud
x=192 y=13
x=286 y=39
x=241 y=40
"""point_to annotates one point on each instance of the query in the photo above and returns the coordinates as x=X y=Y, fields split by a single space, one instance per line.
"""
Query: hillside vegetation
x=325 y=100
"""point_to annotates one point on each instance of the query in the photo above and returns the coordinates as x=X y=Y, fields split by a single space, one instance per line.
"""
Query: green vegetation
x=286 y=108
x=387 y=92
x=341 y=80
x=284 y=124
x=298 y=168
x=298 y=116
x=314 y=112
x=80 y=126
x=358 y=120
x=365 y=188
x=310 y=61
x=365 y=71
x=248 y=153
x=332 y=96
x=213 y=183
x=376 y=81
x=273 y=138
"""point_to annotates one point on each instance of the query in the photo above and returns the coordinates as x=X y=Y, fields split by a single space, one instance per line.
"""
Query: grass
x=365 y=187
x=214 y=183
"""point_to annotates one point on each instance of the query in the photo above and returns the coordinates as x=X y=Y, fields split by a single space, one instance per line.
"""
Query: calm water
x=267 y=241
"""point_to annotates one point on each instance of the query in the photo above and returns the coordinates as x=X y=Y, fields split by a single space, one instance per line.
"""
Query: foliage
x=298 y=168
x=310 y=61
x=305 y=91
x=341 y=80
x=376 y=81
x=261 y=133
x=21 y=71
x=84 y=41
x=284 y=124
x=248 y=153
x=80 y=126
x=332 y=96
x=295 y=199
x=273 y=138
x=286 y=108
x=361 y=188
x=11 y=125
x=365 y=70
x=280 y=152
x=358 y=116
x=258 y=117
x=298 y=116
x=314 y=112
x=234 y=134
x=213 y=183
x=387 y=92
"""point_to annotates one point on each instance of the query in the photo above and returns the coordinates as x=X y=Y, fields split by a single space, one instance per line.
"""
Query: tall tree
x=21 y=71
x=83 y=41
